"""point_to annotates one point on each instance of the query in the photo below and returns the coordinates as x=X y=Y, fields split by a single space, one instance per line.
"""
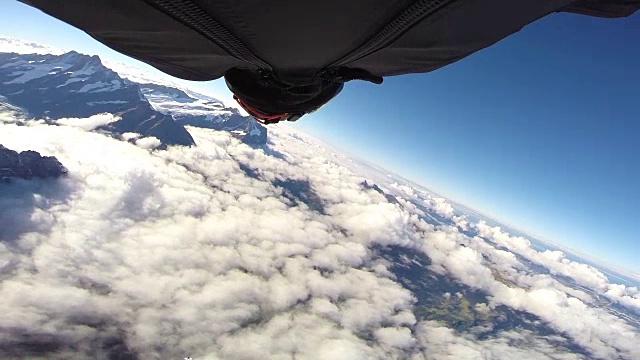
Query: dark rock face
x=28 y=164
x=300 y=191
x=76 y=85
x=390 y=198
x=157 y=90
x=153 y=123
x=255 y=134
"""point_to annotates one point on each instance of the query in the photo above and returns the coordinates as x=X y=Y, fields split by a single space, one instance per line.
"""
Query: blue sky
x=541 y=130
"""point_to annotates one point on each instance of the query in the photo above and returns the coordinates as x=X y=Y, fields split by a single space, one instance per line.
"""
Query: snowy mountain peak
x=52 y=84
x=78 y=85
x=89 y=64
x=201 y=111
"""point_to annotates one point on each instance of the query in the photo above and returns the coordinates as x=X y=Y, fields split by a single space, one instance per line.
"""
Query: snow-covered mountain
x=202 y=111
x=74 y=85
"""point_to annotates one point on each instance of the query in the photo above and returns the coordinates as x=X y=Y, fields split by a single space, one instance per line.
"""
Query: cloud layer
x=224 y=251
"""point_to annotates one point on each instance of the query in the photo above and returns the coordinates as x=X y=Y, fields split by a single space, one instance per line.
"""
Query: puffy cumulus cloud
x=223 y=251
x=503 y=277
x=408 y=190
x=461 y=222
x=148 y=142
x=569 y=315
x=555 y=261
x=439 y=205
x=89 y=123
x=181 y=253
x=442 y=207
x=627 y=296
x=129 y=136
x=442 y=343
x=14 y=45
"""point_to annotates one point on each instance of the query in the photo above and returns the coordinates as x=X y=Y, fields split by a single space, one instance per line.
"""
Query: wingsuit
x=285 y=58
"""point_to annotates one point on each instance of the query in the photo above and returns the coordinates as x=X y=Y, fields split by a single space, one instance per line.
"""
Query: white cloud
x=129 y=136
x=148 y=142
x=13 y=45
x=627 y=296
x=186 y=252
x=442 y=343
x=555 y=261
x=408 y=190
x=89 y=123
x=583 y=274
x=209 y=251
x=442 y=207
x=540 y=295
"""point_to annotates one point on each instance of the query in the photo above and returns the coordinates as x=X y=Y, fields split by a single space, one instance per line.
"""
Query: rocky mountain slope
x=28 y=164
x=74 y=85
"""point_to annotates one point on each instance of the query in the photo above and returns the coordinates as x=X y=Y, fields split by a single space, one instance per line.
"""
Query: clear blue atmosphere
x=540 y=131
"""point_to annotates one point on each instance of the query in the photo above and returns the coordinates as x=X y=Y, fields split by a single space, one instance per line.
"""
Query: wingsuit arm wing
x=606 y=8
x=301 y=38
x=136 y=29
x=467 y=26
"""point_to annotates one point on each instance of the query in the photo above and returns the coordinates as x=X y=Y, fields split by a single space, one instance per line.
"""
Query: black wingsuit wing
x=202 y=39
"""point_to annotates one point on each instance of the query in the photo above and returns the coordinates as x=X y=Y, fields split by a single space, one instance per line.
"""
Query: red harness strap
x=258 y=115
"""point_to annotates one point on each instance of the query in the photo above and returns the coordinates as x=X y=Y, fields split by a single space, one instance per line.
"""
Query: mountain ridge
x=28 y=164
x=71 y=84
